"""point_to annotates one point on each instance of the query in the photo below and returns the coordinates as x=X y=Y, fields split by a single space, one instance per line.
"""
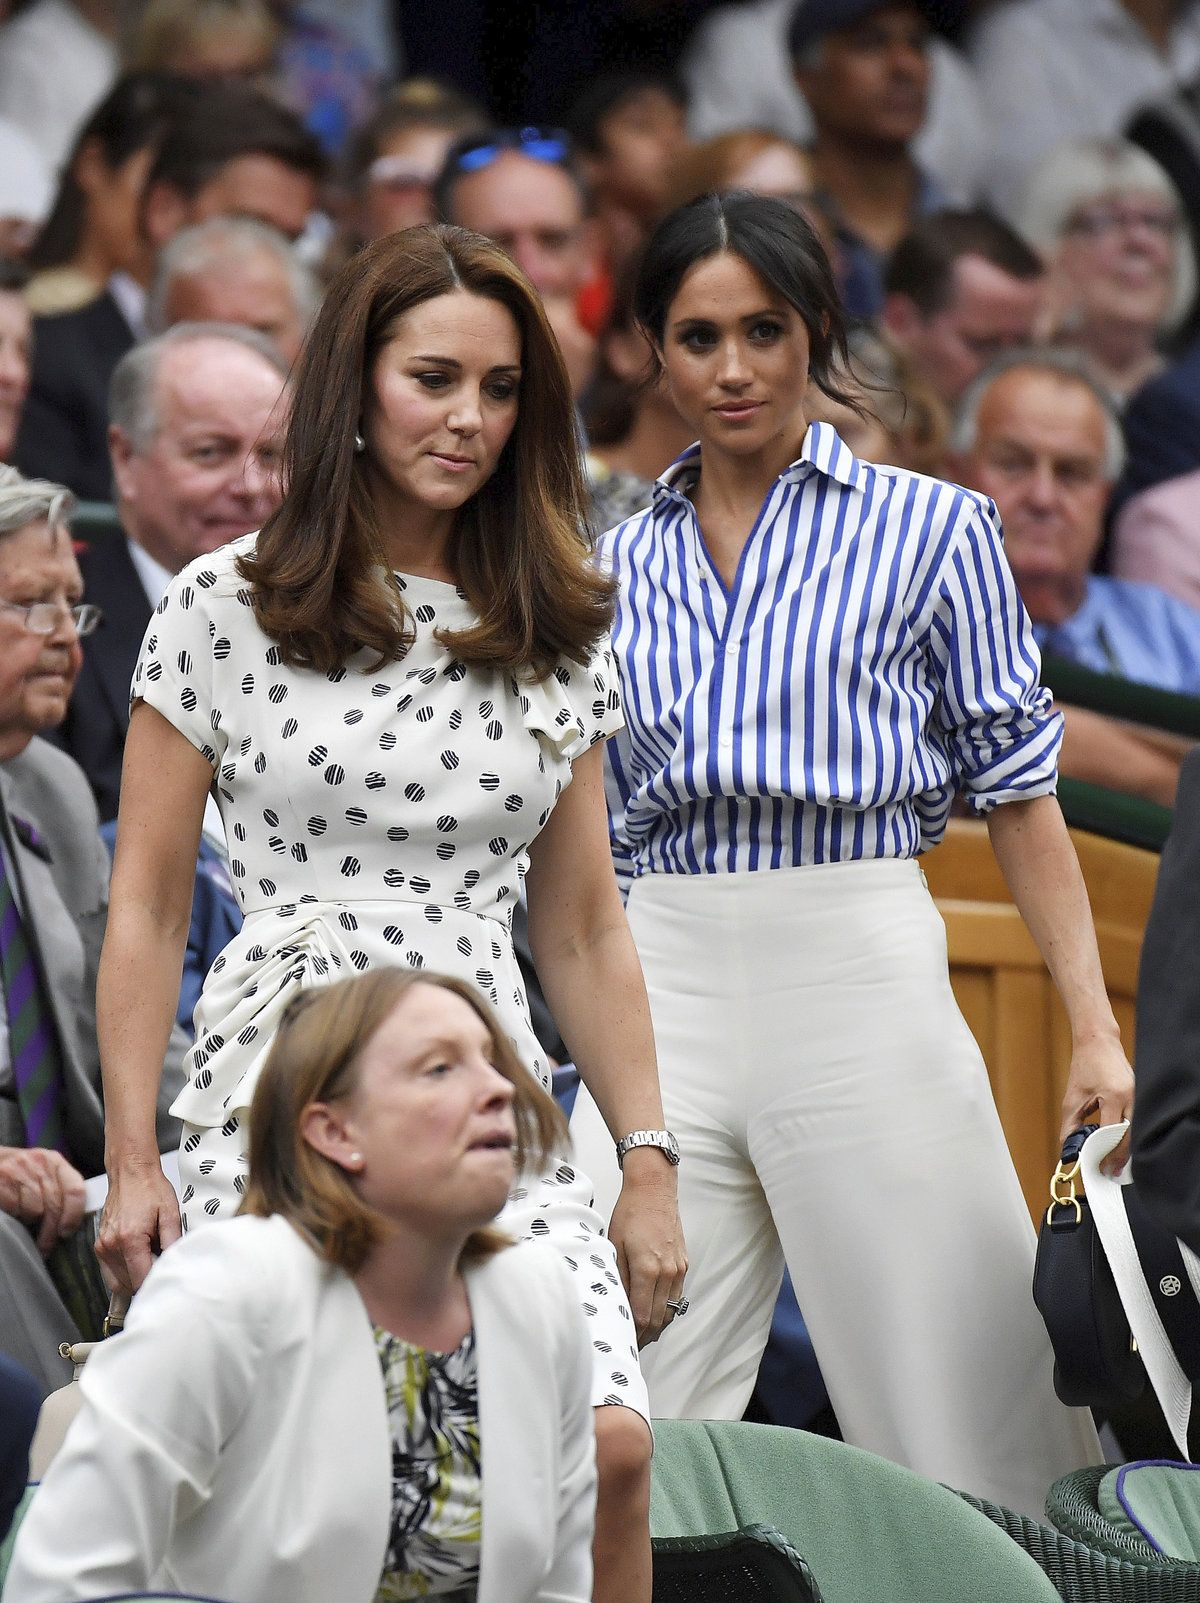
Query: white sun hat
x=1157 y=1278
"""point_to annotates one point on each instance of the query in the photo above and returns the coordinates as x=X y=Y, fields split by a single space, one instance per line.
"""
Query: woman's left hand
x=648 y=1236
x=1099 y=1091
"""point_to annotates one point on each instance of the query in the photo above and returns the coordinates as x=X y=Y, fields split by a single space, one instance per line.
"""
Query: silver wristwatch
x=662 y=1139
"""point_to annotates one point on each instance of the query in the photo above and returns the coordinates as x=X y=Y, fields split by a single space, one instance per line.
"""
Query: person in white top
x=57 y=60
x=328 y=1397
x=397 y=692
x=1050 y=70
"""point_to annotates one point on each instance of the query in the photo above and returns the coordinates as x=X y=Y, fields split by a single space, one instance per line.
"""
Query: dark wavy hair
x=783 y=249
x=134 y=116
x=320 y=572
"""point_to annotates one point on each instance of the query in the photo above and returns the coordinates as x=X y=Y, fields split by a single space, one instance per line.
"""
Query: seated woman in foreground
x=329 y=1396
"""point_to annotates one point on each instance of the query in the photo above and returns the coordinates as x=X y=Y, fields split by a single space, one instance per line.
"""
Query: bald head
x=1038 y=443
x=235 y=270
x=198 y=462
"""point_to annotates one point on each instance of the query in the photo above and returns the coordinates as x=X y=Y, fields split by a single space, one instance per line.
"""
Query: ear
x=591 y=244
x=121 y=455
x=164 y=213
x=327 y=1131
x=89 y=167
x=628 y=353
x=899 y=317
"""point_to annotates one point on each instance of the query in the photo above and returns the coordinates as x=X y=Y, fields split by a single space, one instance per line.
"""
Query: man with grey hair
x=234 y=270
x=196 y=439
x=53 y=903
x=1038 y=434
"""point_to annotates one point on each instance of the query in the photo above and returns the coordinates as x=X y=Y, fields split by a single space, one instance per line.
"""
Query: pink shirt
x=1157 y=538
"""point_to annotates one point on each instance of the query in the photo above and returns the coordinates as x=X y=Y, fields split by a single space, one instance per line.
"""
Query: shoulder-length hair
x=319 y=575
x=780 y=245
x=315 y=1058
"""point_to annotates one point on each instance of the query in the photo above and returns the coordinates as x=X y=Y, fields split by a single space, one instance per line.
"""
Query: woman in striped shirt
x=816 y=656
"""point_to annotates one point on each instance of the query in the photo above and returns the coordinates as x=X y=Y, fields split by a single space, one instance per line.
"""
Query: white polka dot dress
x=378 y=817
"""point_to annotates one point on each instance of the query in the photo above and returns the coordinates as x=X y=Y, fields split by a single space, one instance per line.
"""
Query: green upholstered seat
x=868 y=1530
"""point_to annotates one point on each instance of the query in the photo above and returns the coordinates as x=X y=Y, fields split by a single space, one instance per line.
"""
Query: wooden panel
x=1005 y=993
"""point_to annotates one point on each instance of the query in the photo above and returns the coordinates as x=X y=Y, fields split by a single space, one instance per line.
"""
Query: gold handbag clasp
x=1063 y=1192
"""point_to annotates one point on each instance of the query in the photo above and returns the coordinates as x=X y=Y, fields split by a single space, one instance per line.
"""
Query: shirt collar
x=823 y=451
x=155 y=578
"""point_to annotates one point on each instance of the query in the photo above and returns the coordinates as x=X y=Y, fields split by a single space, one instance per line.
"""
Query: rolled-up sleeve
x=997 y=719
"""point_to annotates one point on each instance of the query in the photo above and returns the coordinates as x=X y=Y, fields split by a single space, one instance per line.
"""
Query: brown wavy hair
x=314 y=1058
x=320 y=575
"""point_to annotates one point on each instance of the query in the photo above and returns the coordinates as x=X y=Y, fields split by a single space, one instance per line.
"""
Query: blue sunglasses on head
x=540 y=144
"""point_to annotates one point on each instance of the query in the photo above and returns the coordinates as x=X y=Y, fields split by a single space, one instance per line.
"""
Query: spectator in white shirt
x=58 y=58
x=1051 y=70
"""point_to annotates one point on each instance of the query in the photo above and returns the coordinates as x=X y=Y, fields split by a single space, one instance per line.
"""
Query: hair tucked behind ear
x=319 y=576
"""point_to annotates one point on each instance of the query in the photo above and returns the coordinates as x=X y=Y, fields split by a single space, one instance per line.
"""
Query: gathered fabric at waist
x=280 y=950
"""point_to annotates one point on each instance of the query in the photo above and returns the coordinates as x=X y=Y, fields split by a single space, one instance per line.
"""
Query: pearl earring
x=360 y=444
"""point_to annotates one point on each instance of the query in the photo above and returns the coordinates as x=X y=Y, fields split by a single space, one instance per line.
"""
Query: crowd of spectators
x=216 y=162
x=1008 y=192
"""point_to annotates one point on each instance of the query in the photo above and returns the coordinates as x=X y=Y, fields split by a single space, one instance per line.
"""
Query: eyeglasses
x=397 y=172
x=1097 y=221
x=550 y=145
x=44 y=617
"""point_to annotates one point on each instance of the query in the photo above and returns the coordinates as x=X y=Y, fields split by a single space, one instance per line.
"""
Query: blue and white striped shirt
x=872 y=659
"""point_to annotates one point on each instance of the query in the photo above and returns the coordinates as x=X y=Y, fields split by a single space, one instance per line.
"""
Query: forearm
x=594 y=987
x=1120 y=756
x=136 y=997
x=1040 y=868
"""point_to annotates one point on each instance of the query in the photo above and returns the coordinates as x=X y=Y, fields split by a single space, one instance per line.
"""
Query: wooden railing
x=1005 y=992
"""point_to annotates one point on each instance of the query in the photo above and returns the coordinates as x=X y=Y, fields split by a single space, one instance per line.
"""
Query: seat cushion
x=1158 y=1501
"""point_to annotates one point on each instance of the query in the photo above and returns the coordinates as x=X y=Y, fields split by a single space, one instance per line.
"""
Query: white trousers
x=833 y=1110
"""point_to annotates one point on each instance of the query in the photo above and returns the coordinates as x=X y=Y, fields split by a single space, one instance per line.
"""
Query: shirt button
x=725 y=742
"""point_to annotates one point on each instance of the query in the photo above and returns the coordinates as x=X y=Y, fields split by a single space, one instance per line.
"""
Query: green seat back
x=870 y=1531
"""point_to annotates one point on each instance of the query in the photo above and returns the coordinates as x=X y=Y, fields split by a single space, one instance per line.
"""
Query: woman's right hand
x=140 y=1220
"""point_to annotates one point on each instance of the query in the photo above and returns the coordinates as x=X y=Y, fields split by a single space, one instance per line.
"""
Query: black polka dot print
x=374 y=816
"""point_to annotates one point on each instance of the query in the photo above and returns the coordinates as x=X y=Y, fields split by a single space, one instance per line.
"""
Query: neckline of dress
x=409 y=579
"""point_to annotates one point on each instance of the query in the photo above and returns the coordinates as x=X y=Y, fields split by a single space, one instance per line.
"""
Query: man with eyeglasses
x=520 y=187
x=53 y=901
x=1038 y=434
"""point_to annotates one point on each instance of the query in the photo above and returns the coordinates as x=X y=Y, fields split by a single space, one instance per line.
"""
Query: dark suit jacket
x=63 y=877
x=64 y=427
x=98 y=717
x=1166 y=1108
x=1162 y=428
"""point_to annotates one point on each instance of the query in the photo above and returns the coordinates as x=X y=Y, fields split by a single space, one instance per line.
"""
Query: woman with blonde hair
x=326 y=1397
x=1108 y=222
x=206 y=39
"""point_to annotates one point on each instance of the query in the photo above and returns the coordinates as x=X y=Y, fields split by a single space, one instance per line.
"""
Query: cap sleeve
x=174 y=673
x=575 y=706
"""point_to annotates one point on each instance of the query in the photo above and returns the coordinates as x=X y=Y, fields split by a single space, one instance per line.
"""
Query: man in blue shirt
x=1039 y=435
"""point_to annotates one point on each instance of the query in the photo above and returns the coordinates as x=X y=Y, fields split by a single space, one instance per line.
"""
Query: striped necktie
x=32 y=1038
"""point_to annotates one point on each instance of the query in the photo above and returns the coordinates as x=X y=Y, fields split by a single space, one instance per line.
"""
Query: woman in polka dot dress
x=399 y=692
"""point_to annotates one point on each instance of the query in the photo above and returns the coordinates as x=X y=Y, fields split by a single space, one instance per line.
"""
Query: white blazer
x=233 y=1441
